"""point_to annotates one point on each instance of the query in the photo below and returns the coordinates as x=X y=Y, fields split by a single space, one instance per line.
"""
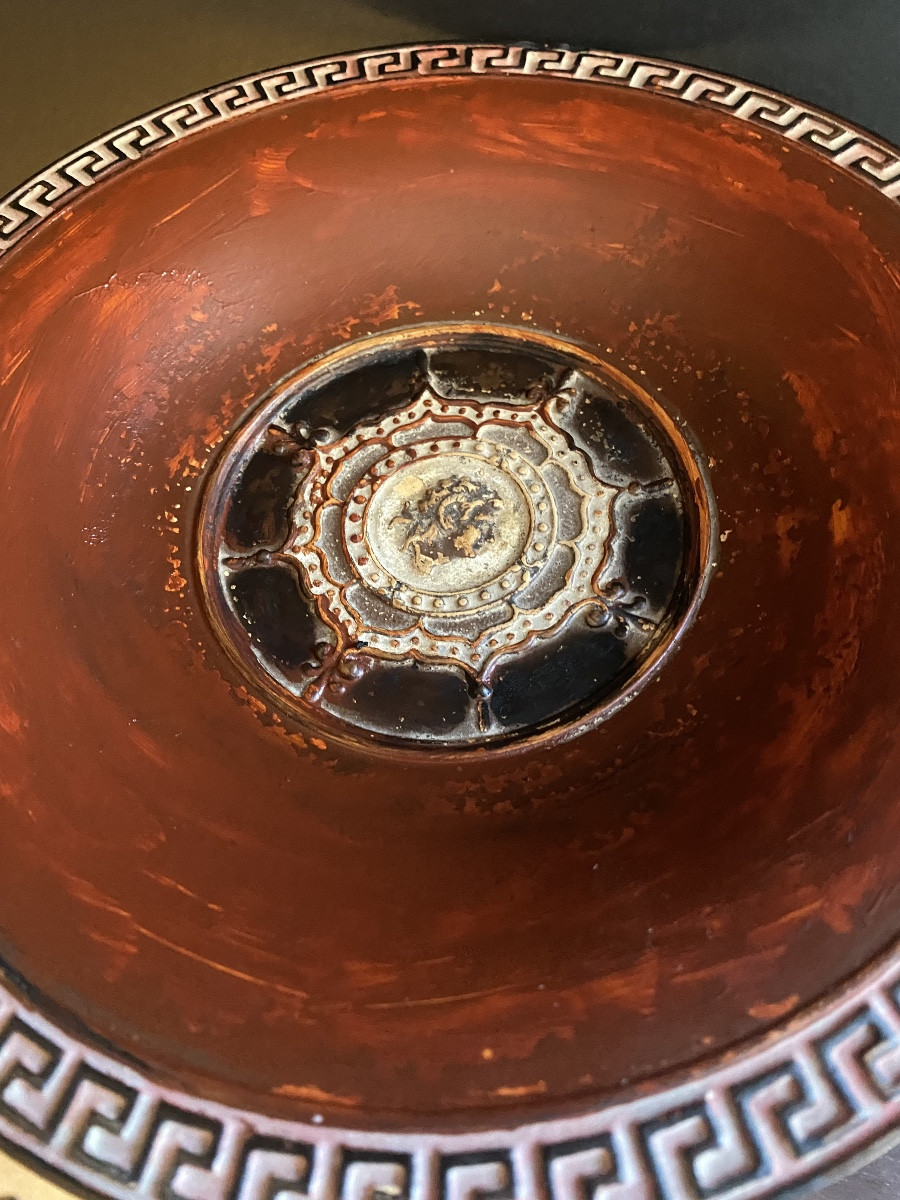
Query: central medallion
x=452 y=532
x=448 y=533
x=452 y=538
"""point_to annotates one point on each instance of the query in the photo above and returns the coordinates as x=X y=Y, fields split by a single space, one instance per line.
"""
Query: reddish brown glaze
x=297 y=927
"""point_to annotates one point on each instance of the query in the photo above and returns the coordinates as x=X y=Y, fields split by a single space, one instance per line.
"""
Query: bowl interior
x=302 y=927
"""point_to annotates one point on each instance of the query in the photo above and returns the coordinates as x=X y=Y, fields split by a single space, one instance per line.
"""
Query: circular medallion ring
x=456 y=535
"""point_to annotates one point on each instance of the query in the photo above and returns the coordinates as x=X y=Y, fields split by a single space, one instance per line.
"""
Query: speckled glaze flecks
x=521 y=973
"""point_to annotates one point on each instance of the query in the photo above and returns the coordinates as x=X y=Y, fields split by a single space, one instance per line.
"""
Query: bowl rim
x=849 y=146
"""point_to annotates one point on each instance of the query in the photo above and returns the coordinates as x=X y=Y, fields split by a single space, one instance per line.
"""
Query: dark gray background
x=69 y=71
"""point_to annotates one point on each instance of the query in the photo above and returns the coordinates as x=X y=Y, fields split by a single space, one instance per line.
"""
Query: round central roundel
x=454 y=537
x=449 y=524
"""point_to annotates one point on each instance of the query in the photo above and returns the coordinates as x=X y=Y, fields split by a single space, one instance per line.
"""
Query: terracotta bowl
x=451 y=638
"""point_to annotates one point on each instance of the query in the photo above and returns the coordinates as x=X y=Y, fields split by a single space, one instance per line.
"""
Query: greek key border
x=862 y=155
x=798 y=1106
x=791 y=1109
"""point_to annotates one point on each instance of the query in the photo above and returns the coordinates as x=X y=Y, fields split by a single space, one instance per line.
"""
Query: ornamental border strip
x=864 y=156
x=793 y=1107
